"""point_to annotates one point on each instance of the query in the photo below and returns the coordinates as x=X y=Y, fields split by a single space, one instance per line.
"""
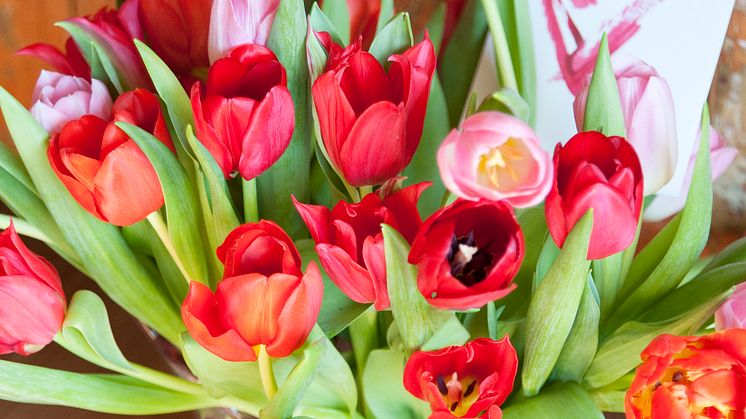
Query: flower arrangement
x=308 y=203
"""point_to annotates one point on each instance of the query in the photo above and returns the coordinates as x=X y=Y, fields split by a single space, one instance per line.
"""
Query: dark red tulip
x=468 y=253
x=350 y=243
x=104 y=170
x=245 y=116
x=263 y=299
x=599 y=172
x=466 y=381
x=371 y=119
x=32 y=303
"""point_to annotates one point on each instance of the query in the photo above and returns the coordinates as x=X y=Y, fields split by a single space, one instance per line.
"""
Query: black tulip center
x=470 y=264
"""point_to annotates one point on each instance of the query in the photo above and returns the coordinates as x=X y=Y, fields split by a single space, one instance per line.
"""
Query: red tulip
x=363 y=20
x=104 y=170
x=177 y=31
x=263 y=299
x=349 y=241
x=370 y=120
x=467 y=254
x=71 y=62
x=690 y=377
x=464 y=381
x=599 y=172
x=245 y=117
x=32 y=303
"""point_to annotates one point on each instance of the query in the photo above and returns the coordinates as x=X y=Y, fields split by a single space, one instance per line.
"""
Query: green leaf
x=87 y=333
x=582 y=342
x=182 y=213
x=422 y=167
x=735 y=252
x=104 y=393
x=549 y=253
x=508 y=101
x=384 y=389
x=321 y=23
x=11 y=163
x=86 y=45
x=339 y=16
x=451 y=333
x=291 y=391
x=104 y=254
x=517 y=24
x=687 y=244
x=221 y=377
x=417 y=321
x=561 y=401
x=553 y=306
x=337 y=310
x=112 y=74
x=460 y=58
x=647 y=260
x=386 y=14
x=173 y=95
x=603 y=109
x=393 y=38
x=288 y=41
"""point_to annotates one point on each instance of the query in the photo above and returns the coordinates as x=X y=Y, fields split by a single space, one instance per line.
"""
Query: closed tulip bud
x=263 y=299
x=104 y=170
x=599 y=172
x=498 y=157
x=59 y=99
x=683 y=377
x=649 y=118
x=467 y=254
x=236 y=22
x=32 y=303
x=177 y=30
x=245 y=116
x=365 y=111
x=466 y=381
x=349 y=240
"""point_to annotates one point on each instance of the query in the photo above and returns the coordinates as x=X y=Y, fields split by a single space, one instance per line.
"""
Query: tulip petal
x=335 y=114
x=350 y=277
x=317 y=219
x=208 y=136
x=375 y=262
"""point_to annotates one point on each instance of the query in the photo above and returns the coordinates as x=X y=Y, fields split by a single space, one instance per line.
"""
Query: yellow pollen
x=500 y=160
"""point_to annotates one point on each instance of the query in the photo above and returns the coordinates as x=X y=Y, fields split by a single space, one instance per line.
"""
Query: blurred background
x=23 y=22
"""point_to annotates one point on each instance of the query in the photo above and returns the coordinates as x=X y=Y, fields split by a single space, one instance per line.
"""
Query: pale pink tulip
x=721 y=156
x=236 y=22
x=732 y=313
x=59 y=99
x=649 y=117
x=497 y=157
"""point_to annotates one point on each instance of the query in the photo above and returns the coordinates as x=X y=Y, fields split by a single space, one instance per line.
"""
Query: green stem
x=505 y=70
x=250 y=202
x=156 y=220
x=364 y=337
x=365 y=190
x=446 y=197
x=24 y=228
x=266 y=373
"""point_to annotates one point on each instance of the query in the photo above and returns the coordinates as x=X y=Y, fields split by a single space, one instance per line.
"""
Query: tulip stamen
x=469 y=263
x=500 y=159
x=457 y=394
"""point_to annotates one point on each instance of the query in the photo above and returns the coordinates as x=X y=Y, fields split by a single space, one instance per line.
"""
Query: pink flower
x=236 y=22
x=648 y=116
x=721 y=156
x=497 y=157
x=732 y=314
x=59 y=99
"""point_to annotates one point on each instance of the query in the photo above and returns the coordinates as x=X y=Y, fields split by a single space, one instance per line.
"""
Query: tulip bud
x=104 y=170
x=236 y=22
x=245 y=117
x=349 y=240
x=498 y=157
x=59 y=98
x=599 y=172
x=471 y=381
x=721 y=157
x=365 y=111
x=263 y=299
x=467 y=254
x=649 y=118
x=32 y=303
x=684 y=377
x=177 y=30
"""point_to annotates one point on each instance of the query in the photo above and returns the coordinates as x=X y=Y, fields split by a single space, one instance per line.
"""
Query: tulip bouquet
x=310 y=205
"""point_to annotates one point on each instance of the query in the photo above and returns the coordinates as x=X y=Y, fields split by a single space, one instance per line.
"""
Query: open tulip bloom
x=306 y=207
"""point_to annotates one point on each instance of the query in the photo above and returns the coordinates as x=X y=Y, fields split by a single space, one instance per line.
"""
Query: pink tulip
x=236 y=22
x=32 y=303
x=497 y=157
x=648 y=116
x=59 y=99
x=732 y=314
x=721 y=156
